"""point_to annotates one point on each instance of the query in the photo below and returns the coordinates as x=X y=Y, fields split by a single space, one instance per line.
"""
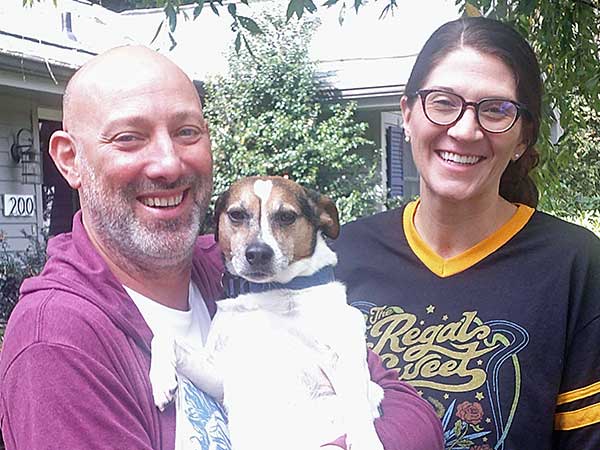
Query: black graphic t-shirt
x=503 y=340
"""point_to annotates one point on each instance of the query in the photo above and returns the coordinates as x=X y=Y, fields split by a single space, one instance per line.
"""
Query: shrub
x=15 y=266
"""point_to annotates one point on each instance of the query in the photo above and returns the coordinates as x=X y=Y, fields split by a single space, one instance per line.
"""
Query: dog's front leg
x=198 y=365
x=355 y=388
x=162 y=370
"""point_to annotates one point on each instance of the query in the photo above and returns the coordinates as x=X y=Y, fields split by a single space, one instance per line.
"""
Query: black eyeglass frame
x=423 y=93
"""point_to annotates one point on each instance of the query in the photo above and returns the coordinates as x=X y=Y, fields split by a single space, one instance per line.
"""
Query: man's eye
x=189 y=132
x=126 y=138
x=286 y=217
x=237 y=215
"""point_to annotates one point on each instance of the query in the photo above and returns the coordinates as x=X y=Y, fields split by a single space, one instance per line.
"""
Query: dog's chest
x=297 y=338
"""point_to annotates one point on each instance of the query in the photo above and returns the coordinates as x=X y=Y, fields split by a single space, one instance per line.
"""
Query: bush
x=15 y=266
x=269 y=116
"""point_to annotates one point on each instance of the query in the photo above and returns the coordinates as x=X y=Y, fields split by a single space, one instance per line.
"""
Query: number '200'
x=20 y=206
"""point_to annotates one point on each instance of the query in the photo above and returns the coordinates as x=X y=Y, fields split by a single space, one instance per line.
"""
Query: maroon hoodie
x=76 y=357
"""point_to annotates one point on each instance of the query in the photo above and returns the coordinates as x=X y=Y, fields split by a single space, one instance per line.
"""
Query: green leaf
x=157 y=31
x=457 y=428
x=198 y=8
x=471 y=10
x=173 y=41
x=171 y=15
x=250 y=25
x=330 y=3
x=238 y=42
x=342 y=14
x=214 y=7
x=295 y=7
x=232 y=8
x=310 y=6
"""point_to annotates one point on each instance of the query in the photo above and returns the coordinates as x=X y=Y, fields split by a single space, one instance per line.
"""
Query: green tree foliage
x=15 y=266
x=575 y=189
x=565 y=35
x=268 y=117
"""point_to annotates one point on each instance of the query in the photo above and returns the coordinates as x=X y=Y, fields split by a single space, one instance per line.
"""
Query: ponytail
x=516 y=184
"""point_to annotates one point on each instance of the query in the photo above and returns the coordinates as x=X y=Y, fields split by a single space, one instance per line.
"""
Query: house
x=40 y=48
x=366 y=60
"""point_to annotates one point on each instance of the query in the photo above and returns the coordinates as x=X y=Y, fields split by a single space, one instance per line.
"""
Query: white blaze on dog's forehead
x=262 y=189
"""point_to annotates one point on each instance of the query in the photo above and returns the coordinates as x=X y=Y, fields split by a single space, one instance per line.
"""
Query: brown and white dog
x=287 y=357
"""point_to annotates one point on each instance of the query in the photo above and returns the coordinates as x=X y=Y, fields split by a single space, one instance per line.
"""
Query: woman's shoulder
x=562 y=237
x=563 y=230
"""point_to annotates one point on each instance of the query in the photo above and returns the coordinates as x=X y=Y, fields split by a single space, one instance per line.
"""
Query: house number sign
x=18 y=205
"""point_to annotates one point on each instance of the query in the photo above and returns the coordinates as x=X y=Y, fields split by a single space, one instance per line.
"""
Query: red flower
x=470 y=412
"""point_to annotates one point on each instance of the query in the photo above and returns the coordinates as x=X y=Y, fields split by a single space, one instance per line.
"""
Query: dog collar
x=234 y=285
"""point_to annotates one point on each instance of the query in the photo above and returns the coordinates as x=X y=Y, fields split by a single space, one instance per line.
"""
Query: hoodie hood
x=75 y=266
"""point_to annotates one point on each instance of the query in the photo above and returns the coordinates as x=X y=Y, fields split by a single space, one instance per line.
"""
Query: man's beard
x=156 y=245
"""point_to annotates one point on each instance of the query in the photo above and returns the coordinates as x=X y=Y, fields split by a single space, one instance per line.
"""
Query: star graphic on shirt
x=445 y=317
x=485 y=439
x=420 y=393
x=479 y=362
x=422 y=322
x=479 y=396
x=488 y=420
x=446 y=396
x=430 y=309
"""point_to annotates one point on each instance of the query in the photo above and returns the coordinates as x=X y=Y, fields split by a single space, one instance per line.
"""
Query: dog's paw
x=359 y=441
x=363 y=437
x=163 y=378
x=375 y=394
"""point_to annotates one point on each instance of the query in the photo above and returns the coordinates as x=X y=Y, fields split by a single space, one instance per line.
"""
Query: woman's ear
x=63 y=151
x=406 y=114
x=518 y=152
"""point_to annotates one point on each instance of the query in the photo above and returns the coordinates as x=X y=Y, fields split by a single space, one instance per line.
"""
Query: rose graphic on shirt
x=472 y=413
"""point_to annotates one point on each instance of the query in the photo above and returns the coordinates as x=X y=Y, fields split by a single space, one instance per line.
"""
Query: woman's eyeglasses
x=494 y=115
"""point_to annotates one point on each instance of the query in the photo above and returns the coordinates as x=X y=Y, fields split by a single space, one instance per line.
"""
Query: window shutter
x=395 y=167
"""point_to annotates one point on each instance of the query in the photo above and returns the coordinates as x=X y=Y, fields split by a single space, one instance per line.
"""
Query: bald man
x=76 y=357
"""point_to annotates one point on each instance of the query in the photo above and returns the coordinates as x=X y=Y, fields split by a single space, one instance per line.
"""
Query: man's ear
x=63 y=151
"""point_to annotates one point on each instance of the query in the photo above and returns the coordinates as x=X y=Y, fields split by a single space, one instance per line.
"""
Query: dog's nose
x=259 y=253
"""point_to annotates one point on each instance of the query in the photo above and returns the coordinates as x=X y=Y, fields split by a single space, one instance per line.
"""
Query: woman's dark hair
x=500 y=40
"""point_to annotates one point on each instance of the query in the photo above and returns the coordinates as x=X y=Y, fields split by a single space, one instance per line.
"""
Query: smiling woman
x=486 y=305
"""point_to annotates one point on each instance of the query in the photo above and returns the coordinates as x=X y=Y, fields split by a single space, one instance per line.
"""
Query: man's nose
x=467 y=127
x=165 y=163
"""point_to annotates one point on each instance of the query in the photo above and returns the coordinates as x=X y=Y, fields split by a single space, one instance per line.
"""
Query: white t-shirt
x=200 y=420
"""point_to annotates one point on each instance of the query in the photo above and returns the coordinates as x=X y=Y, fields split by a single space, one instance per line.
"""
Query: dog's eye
x=237 y=215
x=286 y=217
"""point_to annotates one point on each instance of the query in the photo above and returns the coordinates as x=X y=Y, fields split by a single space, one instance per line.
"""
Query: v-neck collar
x=451 y=266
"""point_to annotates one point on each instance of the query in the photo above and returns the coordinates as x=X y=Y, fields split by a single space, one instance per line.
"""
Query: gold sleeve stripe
x=579 y=418
x=578 y=394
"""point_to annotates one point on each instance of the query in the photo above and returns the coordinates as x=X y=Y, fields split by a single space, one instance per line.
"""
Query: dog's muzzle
x=259 y=254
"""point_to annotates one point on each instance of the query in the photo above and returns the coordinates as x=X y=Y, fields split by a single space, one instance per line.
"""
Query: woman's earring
x=406 y=137
x=516 y=157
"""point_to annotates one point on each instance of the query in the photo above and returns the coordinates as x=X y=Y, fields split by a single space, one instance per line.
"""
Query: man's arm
x=55 y=396
x=407 y=421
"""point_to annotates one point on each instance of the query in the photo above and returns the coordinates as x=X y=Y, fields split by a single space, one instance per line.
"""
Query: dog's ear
x=219 y=207
x=327 y=214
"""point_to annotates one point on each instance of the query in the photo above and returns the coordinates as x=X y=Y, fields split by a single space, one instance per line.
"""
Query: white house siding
x=16 y=113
